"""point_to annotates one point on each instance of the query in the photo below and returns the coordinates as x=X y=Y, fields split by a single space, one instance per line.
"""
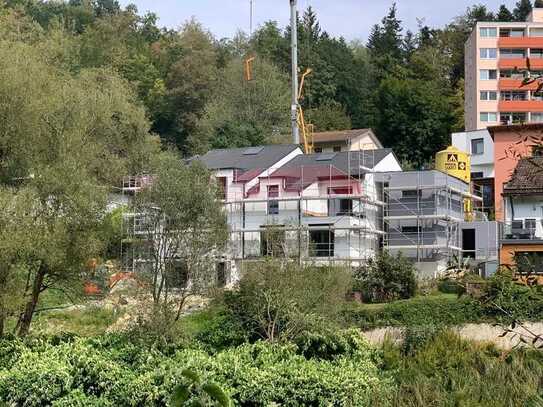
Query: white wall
x=530 y=207
x=481 y=162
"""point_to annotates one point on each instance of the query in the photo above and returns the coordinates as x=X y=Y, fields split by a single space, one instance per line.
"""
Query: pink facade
x=510 y=144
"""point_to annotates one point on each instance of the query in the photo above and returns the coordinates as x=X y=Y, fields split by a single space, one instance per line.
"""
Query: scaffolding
x=424 y=211
x=323 y=214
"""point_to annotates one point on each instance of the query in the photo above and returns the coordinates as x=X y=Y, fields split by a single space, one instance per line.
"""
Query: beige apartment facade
x=498 y=58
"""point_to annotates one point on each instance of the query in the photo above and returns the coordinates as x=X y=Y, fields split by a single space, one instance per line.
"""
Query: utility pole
x=294 y=52
x=251 y=20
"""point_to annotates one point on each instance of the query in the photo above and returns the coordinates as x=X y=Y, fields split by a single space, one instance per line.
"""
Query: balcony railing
x=515 y=231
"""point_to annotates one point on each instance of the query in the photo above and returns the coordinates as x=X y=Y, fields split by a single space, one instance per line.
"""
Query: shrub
x=222 y=331
x=416 y=337
x=83 y=372
x=278 y=300
x=429 y=310
x=506 y=300
x=330 y=344
x=386 y=278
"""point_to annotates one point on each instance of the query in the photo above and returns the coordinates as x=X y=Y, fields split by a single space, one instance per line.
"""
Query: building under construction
x=334 y=208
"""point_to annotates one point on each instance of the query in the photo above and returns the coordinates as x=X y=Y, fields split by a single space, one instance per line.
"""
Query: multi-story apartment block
x=498 y=56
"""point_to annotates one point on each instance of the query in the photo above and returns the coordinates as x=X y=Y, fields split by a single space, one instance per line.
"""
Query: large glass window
x=477 y=146
x=536 y=53
x=511 y=32
x=512 y=53
x=513 y=118
x=321 y=243
x=513 y=95
x=536 y=117
x=489 y=117
x=488 y=74
x=488 y=53
x=488 y=32
x=510 y=73
x=489 y=95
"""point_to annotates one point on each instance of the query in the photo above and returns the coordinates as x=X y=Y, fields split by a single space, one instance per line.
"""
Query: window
x=536 y=32
x=536 y=53
x=273 y=191
x=536 y=117
x=489 y=95
x=321 y=243
x=317 y=149
x=516 y=225
x=511 y=32
x=410 y=230
x=475 y=175
x=221 y=182
x=221 y=274
x=488 y=53
x=488 y=32
x=273 y=207
x=177 y=273
x=513 y=95
x=489 y=117
x=513 y=118
x=530 y=224
x=337 y=149
x=488 y=74
x=512 y=53
x=411 y=193
x=537 y=96
x=477 y=146
x=509 y=73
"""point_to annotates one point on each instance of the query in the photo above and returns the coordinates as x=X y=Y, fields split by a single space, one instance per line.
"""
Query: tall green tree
x=64 y=139
x=241 y=113
x=522 y=9
x=504 y=15
x=413 y=113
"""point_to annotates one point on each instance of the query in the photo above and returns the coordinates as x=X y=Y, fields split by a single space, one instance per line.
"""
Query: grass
x=449 y=371
x=436 y=309
x=88 y=321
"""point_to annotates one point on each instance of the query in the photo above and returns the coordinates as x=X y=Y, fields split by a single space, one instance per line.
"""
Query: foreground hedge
x=429 y=310
x=110 y=372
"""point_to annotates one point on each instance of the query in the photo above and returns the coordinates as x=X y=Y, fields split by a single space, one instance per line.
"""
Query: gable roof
x=246 y=158
x=345 y=161
x=527 y=177
x=344 y=135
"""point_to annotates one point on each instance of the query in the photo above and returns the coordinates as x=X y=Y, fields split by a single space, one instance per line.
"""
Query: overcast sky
x=351 y=19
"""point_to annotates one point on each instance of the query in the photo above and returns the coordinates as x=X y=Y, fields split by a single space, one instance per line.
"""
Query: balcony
x=520 y=63
x=515 y=233
x=520 y=106
x=520 y=42
x=515 y=84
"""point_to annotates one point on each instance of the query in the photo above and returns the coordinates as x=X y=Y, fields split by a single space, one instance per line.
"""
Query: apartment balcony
x=520 y=42
x=515 y=84
x=520 y=63
x=515 y=233
x=520 y=106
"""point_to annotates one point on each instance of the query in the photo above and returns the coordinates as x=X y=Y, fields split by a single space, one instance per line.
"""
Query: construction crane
x=306 y=128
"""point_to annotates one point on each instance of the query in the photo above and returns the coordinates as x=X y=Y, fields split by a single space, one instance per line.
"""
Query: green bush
x=450 y=286
x=278 y=301
x=386 y=278
x=222 y=331
x=87 y=372
x=416 y=337
x=506 y=300
x=419 y=311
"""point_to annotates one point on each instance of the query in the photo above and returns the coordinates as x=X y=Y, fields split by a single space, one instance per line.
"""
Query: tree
x=504 y=15
x=329 y=116
x=184 y=228
x=190 y=82
x=522 y=10
x=241 y=113
x=278 y=300
x=64 y=139
x=413 y=113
